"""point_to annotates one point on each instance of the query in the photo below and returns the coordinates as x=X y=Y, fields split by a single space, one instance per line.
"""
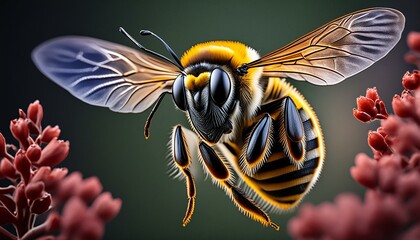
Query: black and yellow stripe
x=281 y=182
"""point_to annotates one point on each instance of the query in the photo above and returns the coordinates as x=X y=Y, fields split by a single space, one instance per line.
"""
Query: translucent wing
x=105 y=74
x=338 y=49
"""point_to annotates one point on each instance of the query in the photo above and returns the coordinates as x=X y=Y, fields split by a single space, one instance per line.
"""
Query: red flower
x=105 y=207
x=391 y=206
x=49 y=133
x=411 y=81
x=81 y=222
x=35 y=113
x=54 y=153
x=20 y=131
x=370 y=107
x=377 y=142
x=39 y=189
x=391 y=209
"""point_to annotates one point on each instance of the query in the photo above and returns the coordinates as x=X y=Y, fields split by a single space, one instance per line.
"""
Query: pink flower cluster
x=413 y=42
x=370 y=107
x=391 y=206
x=38 y=190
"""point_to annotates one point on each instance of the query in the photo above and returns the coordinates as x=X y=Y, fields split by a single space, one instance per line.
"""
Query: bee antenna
x=168 y=48
x=152 y=113
x=122 y=30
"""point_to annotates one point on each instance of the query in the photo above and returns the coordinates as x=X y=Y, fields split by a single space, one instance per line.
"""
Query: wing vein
x=119 y=95
x=102 y=86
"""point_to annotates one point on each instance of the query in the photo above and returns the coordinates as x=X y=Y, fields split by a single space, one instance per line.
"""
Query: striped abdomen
x=282 y=180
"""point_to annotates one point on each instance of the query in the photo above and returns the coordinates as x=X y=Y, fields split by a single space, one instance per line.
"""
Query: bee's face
x=207 y=94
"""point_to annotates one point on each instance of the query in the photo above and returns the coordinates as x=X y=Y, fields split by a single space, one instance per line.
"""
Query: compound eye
x=220 y=86
x=178 y=93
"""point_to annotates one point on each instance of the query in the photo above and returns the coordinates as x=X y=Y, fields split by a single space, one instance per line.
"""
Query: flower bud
x=389 y=171
x=41 y=174
x=384 y=134
x=366 y=105
x=361 y=116
x=51 y=178
x=23 y=166
x=89 y=189
x=33 y=153
x=20 y=131
x=403 y=105
x=35 y=113
x=365 y=171
x=74 y=212
x=34 y=190
x=370 y=107
x=49 y=133
x=372 y=93
x=106 y=207
x=57 y=174
x=41 y=205
x=411 y=81
x=377 y=142
x=69 y=186
x=54 y=153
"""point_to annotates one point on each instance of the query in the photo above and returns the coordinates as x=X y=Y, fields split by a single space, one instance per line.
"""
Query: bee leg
x=182 y=159
x=292 y=131
x=220 y=173
x=258 y=146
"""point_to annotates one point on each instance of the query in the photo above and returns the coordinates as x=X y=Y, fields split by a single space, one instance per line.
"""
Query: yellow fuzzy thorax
x=224 y=53
x=228 y=52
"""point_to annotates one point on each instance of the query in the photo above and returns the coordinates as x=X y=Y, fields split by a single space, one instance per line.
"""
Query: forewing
x=105 y=74
x=338 y=49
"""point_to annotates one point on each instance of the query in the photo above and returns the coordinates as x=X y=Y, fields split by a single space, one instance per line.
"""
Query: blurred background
x=111 y=145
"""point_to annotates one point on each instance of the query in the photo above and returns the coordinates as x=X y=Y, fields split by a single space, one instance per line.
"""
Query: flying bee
x=256 y=136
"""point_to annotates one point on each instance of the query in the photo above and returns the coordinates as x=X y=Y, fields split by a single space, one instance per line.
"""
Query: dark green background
x=111 y=145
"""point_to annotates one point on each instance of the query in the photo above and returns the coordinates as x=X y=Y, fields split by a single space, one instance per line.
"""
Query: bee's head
x=207 y=94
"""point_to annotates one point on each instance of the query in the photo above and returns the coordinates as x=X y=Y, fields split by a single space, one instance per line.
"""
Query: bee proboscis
x=257 y=137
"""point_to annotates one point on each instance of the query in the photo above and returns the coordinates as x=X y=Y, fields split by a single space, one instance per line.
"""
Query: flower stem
x=7 y=190
x=22 y=225
x=35 y=232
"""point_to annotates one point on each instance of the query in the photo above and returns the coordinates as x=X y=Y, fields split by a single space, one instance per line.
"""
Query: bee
x=256 y=136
